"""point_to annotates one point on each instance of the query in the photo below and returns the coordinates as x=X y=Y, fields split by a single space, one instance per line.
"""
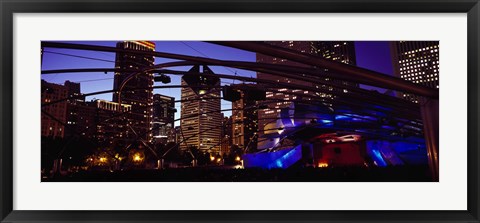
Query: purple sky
x=373 y=55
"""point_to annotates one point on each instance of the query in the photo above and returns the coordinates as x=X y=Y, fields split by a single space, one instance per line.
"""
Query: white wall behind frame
x=449 y=194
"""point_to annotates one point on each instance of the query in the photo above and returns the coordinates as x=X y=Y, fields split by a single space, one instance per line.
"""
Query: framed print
x=200 y=111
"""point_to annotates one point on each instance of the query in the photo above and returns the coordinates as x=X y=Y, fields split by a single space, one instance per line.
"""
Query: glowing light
x=279 y=164
x=322 y=165
x=279 y=159
x=378 y=156
x=325 y=121
x=349 y=138
x=137 y=157
x=237 y=158
x=103 y=159
x=212 y=158
x=330 y=141
x=238 y=167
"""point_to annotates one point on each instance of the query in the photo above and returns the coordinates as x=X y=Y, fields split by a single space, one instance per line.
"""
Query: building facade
x=226 y=137
x=53 y=127
x=201 y=118
x=138 y=91
x=340 y=51
x=101 y=121
x=111 y=125
x=80 y=119
x=417 y=62
x=163 y=118
x=244 y=122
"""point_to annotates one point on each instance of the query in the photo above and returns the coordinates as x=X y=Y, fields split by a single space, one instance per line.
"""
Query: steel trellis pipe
x=353 y=73
x=379 y=79
x=364 y=95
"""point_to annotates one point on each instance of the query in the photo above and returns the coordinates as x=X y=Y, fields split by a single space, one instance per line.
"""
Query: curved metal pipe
x=348 y=73
x=374 y=78
x=354 y=92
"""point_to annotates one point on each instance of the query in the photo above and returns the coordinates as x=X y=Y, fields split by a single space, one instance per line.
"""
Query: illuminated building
x=110 y=127
x=98 y=119
x=81 y=120
x=50 y=93
x=163 y=118
x=73 y=90
x=80 y=117
x=178 y=134
x=244 y=122
x=340 y=51
x=141 y=99
x=416 y=61
x=226 y=135
x=201 y=118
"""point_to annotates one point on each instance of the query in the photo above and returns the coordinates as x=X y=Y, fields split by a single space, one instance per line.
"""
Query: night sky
x=373 y=55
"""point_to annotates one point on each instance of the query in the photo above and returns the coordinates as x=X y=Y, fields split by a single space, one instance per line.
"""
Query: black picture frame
x=10 y=7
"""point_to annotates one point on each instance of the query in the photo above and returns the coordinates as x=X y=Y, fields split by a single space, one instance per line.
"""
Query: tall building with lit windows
x=226 y=142
x=244 y=122
x=416 y=61
x=110 y=127
x=80 y=119
x=163 y=118
x=138 y=91
x=201 y=118
x=340 y=51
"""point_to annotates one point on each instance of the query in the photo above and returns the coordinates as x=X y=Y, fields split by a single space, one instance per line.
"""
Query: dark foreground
x=206 y=174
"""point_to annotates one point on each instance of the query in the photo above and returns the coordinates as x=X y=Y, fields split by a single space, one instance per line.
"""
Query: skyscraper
x=226 y=135
x=163 y=117
x=201 y=118
x=137 y=92
x=416 y=61
x=244 y=121
x=340 y=51
x=80 y=120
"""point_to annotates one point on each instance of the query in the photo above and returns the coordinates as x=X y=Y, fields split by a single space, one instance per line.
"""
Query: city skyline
x=373 y=55
x=302 y=106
